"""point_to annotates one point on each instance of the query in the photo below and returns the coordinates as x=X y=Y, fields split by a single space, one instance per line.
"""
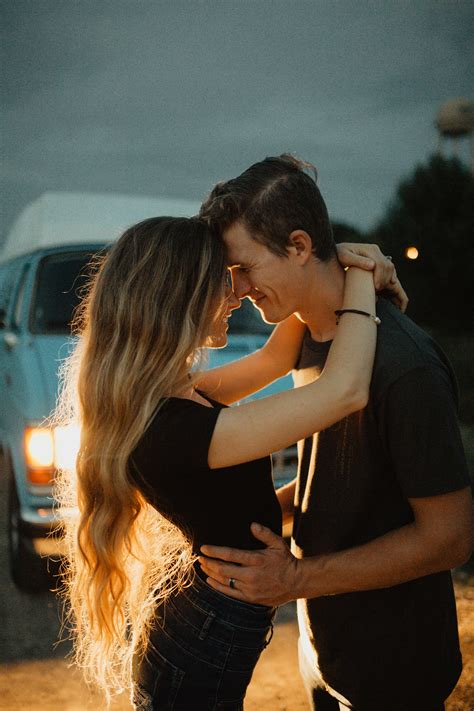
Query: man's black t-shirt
x=213 y=506
x=354 y=482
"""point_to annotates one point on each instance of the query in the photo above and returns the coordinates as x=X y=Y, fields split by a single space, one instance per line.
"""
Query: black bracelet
x=339 y=313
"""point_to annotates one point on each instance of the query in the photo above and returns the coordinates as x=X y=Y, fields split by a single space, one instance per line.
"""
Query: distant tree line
x=433 y=213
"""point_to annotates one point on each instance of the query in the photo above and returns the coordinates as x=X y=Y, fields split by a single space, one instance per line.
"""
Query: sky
x=154 y=97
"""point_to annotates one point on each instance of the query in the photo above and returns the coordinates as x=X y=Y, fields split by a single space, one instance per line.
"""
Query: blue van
x=43 y=265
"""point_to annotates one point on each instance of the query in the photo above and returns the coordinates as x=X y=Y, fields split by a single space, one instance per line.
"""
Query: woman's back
x=170 y=467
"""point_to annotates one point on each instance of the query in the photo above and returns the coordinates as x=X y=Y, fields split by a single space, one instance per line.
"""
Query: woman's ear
x=300 y=245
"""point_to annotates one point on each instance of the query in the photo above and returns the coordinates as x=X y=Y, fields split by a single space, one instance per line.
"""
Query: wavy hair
x=146 y=313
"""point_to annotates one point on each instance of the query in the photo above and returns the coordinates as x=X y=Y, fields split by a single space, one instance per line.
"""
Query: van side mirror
x=3 y=318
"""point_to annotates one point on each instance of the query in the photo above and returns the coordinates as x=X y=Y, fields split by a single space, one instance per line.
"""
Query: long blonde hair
x=145 y=316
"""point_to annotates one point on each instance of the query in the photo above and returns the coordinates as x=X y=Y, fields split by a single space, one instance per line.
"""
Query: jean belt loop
x=208 y=622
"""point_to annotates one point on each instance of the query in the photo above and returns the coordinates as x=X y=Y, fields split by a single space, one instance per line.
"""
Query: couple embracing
x=176 y=561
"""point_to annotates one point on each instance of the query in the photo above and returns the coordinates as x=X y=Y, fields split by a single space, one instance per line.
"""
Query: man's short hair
x=271 y=199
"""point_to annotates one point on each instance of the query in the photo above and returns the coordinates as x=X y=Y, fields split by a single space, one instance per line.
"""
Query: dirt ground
x=462 y=698
x=35 y=676
x=49 y=685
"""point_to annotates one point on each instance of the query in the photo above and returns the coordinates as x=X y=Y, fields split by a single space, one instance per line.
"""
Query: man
x=381 y=504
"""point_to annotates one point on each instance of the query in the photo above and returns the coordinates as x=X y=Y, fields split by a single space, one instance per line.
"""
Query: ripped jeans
x=202 y=652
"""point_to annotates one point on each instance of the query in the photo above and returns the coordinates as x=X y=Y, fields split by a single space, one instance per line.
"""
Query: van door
x=13 y=341
x=10 y=276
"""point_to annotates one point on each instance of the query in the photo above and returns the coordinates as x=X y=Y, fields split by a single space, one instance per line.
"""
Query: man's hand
x=369 y=256
x=263 y=577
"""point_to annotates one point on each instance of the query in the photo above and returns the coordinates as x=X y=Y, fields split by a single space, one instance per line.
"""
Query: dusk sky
x=165 y=98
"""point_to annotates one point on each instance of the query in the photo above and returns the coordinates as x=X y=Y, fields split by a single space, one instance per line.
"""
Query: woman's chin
x=217 y=341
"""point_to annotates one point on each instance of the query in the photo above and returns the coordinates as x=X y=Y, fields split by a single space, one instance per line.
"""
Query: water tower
x=455 y=121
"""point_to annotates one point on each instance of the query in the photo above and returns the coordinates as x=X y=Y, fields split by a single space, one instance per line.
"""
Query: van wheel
x=27 y=569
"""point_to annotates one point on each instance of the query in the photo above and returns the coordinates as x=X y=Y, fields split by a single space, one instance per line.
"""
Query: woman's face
x=217 y=337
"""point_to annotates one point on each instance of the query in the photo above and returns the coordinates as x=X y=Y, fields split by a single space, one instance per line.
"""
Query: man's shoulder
x=403 y=347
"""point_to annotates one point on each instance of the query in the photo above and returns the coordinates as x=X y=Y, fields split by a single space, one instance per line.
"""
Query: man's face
x=268 y=280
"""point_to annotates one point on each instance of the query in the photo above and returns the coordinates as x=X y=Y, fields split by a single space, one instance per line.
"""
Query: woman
x=162 y=467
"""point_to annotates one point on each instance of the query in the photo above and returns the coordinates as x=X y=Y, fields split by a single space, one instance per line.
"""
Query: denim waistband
x=233 y=611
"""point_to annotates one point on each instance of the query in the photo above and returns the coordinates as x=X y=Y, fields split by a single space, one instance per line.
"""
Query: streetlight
x=412 y=253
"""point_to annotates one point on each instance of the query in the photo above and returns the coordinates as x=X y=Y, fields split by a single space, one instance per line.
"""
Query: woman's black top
x=215 y=506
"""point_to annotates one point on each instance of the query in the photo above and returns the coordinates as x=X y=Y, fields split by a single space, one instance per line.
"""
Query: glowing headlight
x=39 y=448
x=66 y=446
x=48 y=449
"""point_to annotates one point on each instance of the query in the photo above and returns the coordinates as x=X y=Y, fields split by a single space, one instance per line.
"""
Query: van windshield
x=60 y=281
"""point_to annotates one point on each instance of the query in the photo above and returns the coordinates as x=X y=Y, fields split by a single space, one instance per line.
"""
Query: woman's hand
x=369 y=257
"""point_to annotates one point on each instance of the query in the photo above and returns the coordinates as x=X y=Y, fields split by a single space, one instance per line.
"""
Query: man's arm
x=418 y=423
x=441 y=537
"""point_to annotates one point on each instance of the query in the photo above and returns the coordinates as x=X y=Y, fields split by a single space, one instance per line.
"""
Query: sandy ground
x=49 y=685
x=462 y=698
x=35 y=676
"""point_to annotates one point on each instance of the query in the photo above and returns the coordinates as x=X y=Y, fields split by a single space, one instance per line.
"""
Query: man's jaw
x=271 y=314
x=260 y=305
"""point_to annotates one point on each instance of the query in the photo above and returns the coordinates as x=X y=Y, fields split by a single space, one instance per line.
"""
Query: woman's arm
x=235 y=381
x=258 y=428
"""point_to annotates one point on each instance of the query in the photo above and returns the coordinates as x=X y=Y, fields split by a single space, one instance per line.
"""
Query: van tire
x=27 y=568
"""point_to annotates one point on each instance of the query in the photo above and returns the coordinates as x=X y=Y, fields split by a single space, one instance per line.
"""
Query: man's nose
x=241 y=284
x=233 y=302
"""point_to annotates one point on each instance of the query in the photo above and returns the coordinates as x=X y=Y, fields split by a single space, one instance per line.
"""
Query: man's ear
x=300 y=244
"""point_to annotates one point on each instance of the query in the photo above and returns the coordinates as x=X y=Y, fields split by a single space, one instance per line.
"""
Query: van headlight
x=48 y=449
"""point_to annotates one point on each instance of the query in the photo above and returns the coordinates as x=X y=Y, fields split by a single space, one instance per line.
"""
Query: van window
x=61 y=279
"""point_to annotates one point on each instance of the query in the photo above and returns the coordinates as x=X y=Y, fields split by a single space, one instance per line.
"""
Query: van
x=43 y=265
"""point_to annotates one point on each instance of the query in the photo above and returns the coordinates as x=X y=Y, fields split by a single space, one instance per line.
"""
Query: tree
x=433 y=211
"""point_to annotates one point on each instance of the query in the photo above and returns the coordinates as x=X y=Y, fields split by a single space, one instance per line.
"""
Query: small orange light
x=412 y=253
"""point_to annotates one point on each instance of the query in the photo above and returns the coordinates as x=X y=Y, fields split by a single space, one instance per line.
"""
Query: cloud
x=147 y=97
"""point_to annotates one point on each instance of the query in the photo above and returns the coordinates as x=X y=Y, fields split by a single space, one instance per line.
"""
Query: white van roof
x=73 y=218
